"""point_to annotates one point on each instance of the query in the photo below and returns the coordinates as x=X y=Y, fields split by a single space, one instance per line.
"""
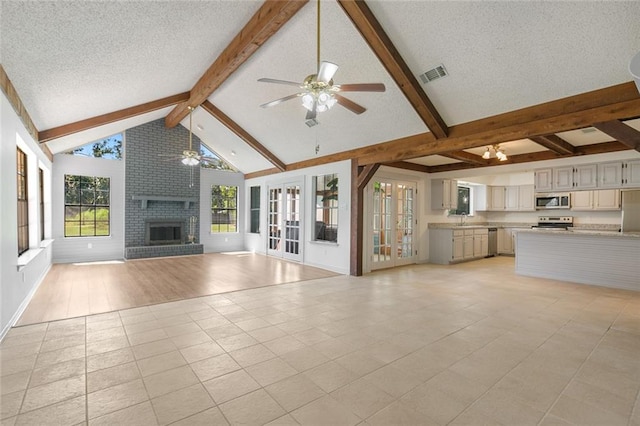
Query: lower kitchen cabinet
x=456 y=245
x=507 y=240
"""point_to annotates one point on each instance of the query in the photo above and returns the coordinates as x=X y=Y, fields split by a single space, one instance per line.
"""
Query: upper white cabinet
x=563 y=178
x=610 y=175
x=604 y=199
x=505 y=198
x=584 y=177
x=526 y=198
x=631 y=173
x=544 y=180
x=444 y=194
x=511 y=194
x=497 y=198
x=614 y=175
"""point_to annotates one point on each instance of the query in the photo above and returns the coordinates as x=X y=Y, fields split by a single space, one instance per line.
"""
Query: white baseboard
x=16 y=316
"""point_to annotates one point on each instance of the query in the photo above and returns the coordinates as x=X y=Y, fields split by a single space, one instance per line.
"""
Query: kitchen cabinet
x=480 y=242
x=610 y=175
x=511 y=194
x=506 y=198
x=563 y=178
x=543 y=180
x=468 y=244
x=604 y=199
x=507 y=240
x=631 y=174
x=584 y=176
x=582 y=200
x=497 y=200
x=526 y=198
x=456 y=245
x=444 y=194
x=607 y=199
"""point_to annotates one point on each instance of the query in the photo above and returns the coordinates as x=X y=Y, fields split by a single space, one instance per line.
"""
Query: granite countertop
x=585 y=232
x=451 y=225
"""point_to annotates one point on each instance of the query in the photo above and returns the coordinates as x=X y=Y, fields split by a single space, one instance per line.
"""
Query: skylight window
x=109 y=148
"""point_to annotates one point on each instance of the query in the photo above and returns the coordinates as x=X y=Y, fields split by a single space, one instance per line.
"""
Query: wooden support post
x=360 y=177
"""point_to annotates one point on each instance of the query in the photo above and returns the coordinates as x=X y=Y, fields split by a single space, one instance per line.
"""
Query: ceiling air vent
x=434 y=74
x=588 y=130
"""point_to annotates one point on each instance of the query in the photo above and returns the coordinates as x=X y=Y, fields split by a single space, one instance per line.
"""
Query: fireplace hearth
x=164 y=232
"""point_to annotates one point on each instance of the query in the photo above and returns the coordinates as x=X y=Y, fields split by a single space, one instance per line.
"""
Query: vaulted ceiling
x=543 y=79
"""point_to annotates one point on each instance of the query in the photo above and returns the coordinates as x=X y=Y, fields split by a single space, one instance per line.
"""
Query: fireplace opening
x=164 y=233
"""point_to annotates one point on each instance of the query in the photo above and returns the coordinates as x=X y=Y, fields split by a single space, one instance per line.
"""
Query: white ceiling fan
x=319 y=93
x=190 y=157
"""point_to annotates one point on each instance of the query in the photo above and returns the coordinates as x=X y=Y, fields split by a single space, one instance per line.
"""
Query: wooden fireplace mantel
x=144 y=199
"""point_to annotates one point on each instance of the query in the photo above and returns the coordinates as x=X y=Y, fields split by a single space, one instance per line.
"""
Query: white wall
x=227 y=241
x=334 y=257
x=17 y=286
x=86 y=249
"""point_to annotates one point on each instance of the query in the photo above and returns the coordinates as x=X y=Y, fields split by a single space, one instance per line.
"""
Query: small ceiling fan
x=190 y=157
x=319 y=93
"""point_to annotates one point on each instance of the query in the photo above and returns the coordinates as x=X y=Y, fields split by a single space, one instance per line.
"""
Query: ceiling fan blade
x=326 y=71
x=362 y=87
x=272 y=80
x=349 y=104
x=281 y=100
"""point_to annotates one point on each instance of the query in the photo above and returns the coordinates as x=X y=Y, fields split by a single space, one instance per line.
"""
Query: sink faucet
x=463 y=218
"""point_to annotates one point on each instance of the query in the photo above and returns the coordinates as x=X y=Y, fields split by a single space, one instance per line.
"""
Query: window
x=255 y=210
x=464 y=201
x=213 y=160
x=41 y=201
x=224 y=208
x=109 y=148
x=23 y=203
x=86 y=206
x=325 y=189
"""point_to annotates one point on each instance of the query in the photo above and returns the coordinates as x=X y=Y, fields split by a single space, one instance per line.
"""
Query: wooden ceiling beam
x=271 y=16
x=599 y=148
x=243 y=134
x=14 y=99
x=465 y=157
x=621 y=132
x=112 y=117
x=405 y=165
x=554 y=143
x=532 y=121
x=381 y=44
x=617 y=102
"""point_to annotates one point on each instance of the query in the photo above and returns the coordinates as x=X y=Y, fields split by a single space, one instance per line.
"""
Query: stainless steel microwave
x=553 y=201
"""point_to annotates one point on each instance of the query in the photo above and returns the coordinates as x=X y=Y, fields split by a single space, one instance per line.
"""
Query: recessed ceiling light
x=233 y=153
x=199 y=126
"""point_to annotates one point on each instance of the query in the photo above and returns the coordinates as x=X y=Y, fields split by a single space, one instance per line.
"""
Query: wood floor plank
x=71 y=290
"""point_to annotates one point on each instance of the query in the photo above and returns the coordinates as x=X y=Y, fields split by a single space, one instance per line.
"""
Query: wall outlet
x=226 y=240
x=89 y=245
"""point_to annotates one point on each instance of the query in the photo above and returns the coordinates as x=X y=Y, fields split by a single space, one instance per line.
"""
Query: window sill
x=46 y=243
x=325 y=243
x=28 y=256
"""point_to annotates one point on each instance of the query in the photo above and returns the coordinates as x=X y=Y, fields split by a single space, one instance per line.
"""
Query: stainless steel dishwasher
x=493 y=242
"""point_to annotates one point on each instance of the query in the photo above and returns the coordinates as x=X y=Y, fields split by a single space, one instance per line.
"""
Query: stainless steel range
x=561 y=223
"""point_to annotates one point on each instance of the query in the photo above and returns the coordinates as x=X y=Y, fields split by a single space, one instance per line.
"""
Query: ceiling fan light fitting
x=487 y=154
x=190 y=161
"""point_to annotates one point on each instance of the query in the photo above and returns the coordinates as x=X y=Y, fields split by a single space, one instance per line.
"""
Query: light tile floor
x=425 y=344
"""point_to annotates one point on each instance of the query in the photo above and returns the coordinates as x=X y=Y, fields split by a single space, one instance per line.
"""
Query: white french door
x=392 y=240
x=284 y=221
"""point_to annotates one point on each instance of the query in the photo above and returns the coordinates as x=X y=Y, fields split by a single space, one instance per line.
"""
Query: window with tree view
x=255 y=210
x=464 y=201
x=325 y=188
x=86 y=206
x=224 y=208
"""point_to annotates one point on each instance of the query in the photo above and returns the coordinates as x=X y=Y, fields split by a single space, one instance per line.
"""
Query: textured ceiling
x=78 y=59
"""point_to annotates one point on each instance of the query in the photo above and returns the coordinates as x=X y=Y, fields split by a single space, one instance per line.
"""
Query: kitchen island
x=610 y=259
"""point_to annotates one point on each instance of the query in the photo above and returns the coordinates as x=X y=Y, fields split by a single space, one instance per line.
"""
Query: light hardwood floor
x=72 y=290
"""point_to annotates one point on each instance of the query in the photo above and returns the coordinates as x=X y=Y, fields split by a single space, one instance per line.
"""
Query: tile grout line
x=581 y=367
